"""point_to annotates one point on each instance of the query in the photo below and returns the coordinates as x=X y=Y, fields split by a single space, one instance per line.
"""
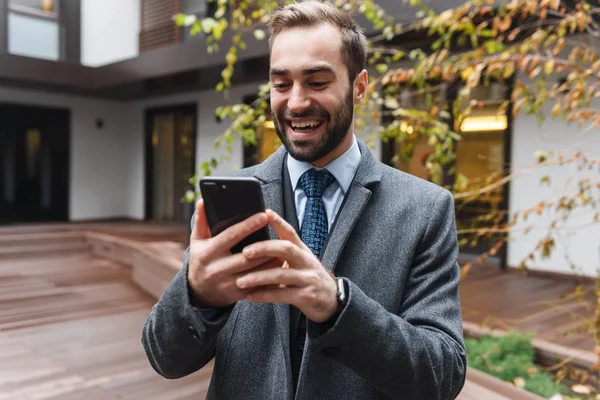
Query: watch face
x=341 y=290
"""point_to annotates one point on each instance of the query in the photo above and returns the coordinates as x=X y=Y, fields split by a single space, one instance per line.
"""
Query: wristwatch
x=342 y=294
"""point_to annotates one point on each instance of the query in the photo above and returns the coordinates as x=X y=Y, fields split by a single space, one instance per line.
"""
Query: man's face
x=312 y=99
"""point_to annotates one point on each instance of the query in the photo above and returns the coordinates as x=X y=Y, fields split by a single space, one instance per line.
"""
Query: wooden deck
x=70 y=328
x=544 y=306
x=66 y=335
x=70 y=325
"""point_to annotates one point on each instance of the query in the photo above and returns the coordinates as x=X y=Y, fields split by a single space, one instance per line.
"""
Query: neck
x=343 y=147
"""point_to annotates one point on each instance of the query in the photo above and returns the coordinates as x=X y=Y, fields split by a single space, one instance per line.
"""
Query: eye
x=318 y=84
x=281 y=86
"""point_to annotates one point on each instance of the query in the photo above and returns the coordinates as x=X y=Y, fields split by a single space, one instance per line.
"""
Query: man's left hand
x=305 y=284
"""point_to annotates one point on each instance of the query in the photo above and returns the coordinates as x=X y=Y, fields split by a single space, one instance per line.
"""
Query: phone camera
x=223 y=187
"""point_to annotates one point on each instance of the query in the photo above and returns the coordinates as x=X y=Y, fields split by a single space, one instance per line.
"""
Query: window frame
x=35 y=13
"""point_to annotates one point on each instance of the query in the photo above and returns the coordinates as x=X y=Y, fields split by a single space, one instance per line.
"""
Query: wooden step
x=42 y=250
x=43 y=238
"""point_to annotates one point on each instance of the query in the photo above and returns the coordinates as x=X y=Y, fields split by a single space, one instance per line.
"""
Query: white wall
x=576 y=243
x=109 y=31
x=103 y=162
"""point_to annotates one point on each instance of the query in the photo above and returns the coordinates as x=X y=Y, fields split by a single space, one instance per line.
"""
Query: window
x=481 y=154
x=267 y=140
x=410 y=154
x=33 y=29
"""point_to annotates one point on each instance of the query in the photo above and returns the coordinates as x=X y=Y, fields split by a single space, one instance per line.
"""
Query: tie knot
x=315 y=182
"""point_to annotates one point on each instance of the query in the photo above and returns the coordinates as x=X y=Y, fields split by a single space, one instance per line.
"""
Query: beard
x=338 y=126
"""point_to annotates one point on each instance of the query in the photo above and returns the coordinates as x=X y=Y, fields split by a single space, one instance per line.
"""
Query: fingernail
x=248 y=251
x=261 y=219
x=242 y=283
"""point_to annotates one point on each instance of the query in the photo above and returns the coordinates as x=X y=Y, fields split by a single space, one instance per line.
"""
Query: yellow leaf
x=549 y=67
x=581 y=389
x=532 y=371
x=509 y=70
x=519 y=382
x=466 y=73
x=259 y=34
x=556 y=110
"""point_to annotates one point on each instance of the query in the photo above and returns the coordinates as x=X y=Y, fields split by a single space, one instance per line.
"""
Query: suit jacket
x=398 y=337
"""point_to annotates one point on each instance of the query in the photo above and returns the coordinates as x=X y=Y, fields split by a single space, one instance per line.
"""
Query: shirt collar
x=342 y=168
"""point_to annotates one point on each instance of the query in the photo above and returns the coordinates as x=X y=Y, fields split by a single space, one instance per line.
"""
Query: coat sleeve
x=418 y=353
x=178 y=338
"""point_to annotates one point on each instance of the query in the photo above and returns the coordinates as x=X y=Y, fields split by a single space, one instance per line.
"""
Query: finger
x=283 y=249
x=284 y=229
x=201 y=229
x=273 y=276
x=236 y=233
x=288 y=295
x=236 y=264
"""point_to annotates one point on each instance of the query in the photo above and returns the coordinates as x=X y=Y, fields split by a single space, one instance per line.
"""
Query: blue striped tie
x=314 y=224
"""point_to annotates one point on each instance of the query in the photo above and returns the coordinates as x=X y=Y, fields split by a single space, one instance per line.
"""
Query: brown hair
x=313 y=13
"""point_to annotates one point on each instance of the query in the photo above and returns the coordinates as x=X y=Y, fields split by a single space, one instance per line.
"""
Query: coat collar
x=368 y=172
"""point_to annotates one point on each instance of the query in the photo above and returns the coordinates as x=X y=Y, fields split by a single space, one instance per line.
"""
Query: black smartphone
x=229 y=200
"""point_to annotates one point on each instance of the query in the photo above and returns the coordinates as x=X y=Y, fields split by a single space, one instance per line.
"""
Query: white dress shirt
x=343 y=170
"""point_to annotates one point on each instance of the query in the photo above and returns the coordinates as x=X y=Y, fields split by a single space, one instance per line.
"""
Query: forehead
x=297 y=48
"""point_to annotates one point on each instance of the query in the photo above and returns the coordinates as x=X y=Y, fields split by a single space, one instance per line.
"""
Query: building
x=107 y=109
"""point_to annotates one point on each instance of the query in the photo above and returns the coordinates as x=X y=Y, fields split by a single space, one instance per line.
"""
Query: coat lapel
x=355 y=201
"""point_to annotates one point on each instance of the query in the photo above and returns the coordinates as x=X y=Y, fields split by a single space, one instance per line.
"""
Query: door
x=170 y=162
x=34 y=164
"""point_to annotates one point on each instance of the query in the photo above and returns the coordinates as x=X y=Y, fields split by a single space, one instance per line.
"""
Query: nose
x=298 y=100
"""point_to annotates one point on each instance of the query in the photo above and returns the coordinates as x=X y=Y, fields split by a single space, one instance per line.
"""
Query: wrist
x=341 y=297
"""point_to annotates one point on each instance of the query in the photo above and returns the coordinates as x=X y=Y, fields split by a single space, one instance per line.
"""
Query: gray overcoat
x=398 y=337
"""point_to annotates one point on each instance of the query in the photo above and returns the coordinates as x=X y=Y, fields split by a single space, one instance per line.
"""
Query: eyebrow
x=306 y=71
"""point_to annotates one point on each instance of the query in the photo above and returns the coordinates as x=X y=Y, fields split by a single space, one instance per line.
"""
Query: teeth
x=307 y=124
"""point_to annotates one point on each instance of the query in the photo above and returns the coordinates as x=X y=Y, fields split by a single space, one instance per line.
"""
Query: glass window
x=33 y=37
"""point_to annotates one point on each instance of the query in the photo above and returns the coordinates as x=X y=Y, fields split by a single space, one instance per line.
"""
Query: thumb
x=200 y=230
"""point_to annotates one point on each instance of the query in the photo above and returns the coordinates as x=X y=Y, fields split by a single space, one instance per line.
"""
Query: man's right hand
x=213 y=270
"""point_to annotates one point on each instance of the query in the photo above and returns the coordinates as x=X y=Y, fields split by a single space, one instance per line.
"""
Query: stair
x=41 y=244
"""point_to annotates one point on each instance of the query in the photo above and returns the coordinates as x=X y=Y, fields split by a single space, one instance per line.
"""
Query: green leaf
x=195 y=29
x=231 y=58
x=382 y=68
x=220 y=87
x=179 y=19
x=493 y=47
x=398 y=56
x=540 y=117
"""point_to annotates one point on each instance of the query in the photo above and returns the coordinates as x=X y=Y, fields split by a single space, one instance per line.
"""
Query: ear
x=361 y=84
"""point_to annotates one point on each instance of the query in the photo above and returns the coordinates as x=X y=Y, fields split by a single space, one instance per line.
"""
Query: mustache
x=308 y=113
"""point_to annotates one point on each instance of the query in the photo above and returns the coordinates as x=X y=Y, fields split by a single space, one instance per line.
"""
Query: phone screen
x=228 y=201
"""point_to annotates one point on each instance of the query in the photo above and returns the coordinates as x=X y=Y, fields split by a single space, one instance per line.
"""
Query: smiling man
x=356 y=297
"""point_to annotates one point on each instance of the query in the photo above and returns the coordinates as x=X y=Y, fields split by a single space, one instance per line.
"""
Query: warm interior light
x=269 y=125
x=47 y=5
x=484 y=123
